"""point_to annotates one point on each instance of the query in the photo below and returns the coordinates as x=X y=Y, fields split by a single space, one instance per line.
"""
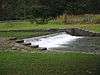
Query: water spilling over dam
x=65 y=42
x=52 y=41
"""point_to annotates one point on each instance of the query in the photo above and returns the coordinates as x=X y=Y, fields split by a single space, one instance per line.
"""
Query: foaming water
x=52 y=41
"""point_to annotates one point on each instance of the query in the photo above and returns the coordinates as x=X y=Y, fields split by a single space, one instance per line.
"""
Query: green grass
x=26 y=26
x=15 y=63
x=29 y=26
x=22 y=34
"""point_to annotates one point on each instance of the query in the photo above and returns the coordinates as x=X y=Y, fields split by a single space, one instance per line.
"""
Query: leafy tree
x=43 y=10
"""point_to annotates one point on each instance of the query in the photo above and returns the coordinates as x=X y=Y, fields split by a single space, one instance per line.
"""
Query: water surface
x=65 y=42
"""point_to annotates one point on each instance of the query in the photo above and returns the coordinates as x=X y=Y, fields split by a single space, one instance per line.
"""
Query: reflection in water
x=66 y=42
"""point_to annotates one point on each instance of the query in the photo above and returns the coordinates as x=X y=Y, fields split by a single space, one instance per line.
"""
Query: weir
x=65 y=42
x=52 y=41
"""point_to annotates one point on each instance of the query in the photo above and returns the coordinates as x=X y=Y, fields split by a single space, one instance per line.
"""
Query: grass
x=74 y=19
x=26 y=26
x=29 y=26
x=22 y=34
x=16 y=63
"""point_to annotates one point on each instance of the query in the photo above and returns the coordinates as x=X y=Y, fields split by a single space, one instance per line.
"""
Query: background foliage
x=45 y=9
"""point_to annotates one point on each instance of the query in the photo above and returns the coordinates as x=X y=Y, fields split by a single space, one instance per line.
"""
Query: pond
x=65 y=42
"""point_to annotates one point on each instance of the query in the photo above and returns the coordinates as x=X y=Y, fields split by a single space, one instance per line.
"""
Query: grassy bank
x=30 y=26
x=15 y=63
x=22 y=34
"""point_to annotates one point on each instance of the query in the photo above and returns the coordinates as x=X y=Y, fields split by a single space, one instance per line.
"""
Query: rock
x=26 y=44
x=81 y=32
x=52 y=30
x=13 y=48
x=17 y=45
x=19 y=41
x=35 y=46
x=12 y=38
x=24 y=50
x=43 y=48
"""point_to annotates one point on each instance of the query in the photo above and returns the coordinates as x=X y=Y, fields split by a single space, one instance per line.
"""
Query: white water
x=52 y=41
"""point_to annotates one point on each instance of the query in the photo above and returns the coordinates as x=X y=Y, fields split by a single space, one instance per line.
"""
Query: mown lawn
x=30 y=26
x=16 y=63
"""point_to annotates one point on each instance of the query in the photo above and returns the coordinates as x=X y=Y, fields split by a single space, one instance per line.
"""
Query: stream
x=65 y=42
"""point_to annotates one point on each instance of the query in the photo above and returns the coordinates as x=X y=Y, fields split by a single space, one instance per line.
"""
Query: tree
x=42 y=10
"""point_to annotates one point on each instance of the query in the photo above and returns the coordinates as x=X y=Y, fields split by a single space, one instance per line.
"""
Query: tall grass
x=59 y=23
x=80 y=19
